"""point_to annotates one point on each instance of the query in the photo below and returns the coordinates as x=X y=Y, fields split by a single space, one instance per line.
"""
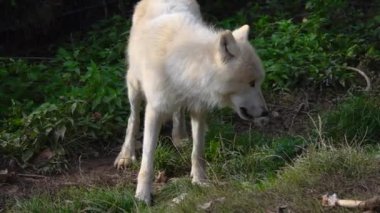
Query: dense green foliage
x=310 y=44
x=77 y=99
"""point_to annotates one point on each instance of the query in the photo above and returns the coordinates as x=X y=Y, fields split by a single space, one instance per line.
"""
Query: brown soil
x=90 y=172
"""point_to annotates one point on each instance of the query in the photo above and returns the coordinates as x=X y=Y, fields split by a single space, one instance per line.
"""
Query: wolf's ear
x=241 y=34
x=227 y=46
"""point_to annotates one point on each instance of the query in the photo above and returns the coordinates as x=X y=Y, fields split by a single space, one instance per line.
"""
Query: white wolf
x=177 y=62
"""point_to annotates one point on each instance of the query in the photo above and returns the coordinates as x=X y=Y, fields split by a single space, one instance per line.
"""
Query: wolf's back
x=150 y=9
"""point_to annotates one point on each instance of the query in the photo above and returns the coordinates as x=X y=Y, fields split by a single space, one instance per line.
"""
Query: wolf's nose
x=264 y=114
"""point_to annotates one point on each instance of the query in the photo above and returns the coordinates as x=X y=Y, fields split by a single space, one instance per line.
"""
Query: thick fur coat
x=177 y=63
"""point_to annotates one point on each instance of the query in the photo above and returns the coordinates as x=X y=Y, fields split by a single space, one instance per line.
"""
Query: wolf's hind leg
x=179 y=132
x=127 y=153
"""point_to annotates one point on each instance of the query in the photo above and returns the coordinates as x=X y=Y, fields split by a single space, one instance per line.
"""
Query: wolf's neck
x=194 y=66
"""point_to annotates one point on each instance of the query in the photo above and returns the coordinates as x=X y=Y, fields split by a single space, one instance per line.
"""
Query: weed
x=175 y=161
x=357 y=119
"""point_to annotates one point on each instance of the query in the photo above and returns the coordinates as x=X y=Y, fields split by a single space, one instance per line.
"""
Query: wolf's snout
x=249 y=115
x=245 y=113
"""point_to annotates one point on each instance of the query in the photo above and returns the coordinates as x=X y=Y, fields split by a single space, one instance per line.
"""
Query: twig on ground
x=368 y=81
x=274 y=106
x=32 y=176
x=299 y=108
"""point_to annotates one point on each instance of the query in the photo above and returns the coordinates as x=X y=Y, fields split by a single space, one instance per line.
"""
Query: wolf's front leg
x=152 y=127
x=198 y=128
x=127 y=153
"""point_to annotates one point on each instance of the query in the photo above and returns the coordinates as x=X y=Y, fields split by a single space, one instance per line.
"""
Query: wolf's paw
x=122 y=161
x=201 y=183
x=144 y=196
x=199 y=177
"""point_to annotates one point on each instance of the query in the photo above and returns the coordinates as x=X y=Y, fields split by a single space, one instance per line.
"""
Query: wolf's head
x=242 y=73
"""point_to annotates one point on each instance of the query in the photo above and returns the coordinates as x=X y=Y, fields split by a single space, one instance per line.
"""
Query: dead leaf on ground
x=208 y=205
x=44 y=156
x=179 y=199
x=161 y=177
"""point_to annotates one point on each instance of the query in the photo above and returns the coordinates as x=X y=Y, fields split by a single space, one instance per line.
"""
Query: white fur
x=178 y=63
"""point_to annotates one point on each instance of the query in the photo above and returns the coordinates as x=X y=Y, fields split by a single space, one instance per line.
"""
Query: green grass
x=89 y=199
x=299 y=185
x=174 y=161
x=357 y=119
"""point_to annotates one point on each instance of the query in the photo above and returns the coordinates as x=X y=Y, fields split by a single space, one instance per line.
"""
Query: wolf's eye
x=252 y=83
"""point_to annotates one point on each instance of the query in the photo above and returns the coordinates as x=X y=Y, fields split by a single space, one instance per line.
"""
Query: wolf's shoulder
x=151 y=9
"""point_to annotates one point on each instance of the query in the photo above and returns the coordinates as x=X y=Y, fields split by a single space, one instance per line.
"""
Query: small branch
x=32 y=176
x=368 y=81
x=288 y=108
x=299 y=108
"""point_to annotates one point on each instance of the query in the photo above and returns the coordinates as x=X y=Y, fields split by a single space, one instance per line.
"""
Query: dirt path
x=89 y=172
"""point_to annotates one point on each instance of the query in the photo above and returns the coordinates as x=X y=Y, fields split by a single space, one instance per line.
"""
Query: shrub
x=74 y=100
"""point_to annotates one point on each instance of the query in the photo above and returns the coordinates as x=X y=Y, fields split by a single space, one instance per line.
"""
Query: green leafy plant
x=308 y=44
x=65 y=104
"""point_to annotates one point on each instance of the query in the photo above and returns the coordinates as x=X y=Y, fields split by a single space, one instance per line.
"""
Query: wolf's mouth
x=245 y=113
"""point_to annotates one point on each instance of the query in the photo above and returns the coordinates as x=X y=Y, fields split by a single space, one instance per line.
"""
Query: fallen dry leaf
x=180 y=198
x=208 y=205
x=161 y=177
x=44 y=156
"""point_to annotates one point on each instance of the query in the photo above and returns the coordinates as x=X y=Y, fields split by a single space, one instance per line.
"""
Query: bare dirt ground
x=89 y=172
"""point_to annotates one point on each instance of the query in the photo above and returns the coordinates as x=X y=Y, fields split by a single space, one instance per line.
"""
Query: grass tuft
x=358 y=119
x=348 y=171
x=82 y=200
